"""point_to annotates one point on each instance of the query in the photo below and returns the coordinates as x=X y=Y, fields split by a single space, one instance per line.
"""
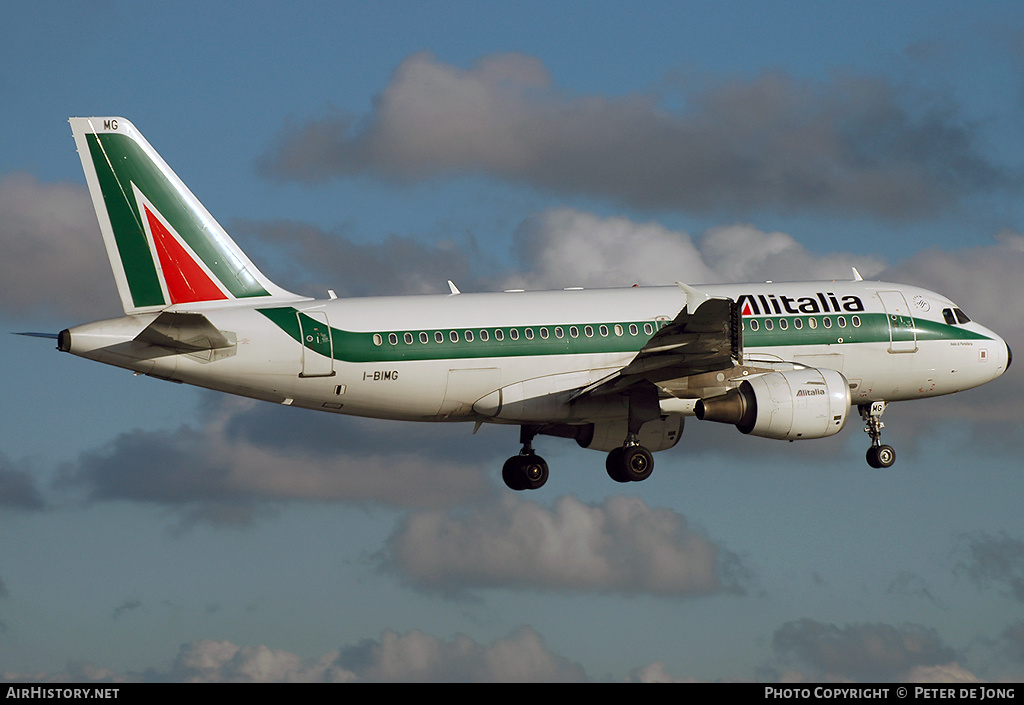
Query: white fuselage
x=516 y=357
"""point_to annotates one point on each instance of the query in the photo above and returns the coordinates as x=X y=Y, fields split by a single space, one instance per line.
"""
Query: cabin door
x=902 y=333
x=317 y=346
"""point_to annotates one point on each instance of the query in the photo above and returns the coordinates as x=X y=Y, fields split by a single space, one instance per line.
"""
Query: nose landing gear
x=878 y=455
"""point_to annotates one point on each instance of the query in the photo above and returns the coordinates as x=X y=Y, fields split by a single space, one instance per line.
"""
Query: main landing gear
x=630 y=463
x=526 y=471
x=879 y=455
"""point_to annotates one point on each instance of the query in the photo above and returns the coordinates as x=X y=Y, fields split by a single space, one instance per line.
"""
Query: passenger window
x=604 y=331
x=812 y=322
x=856 y=321
x=574 y=331
x=768 y=325
x=544 y=333
x=589 y=331
x=439 y=337
x=783 y=324
x=454 y=336
x=618 y=329
x=469 y=336
x=408 y=338
x=483 y=335
x=514 y=334
x=753 y=324
x=559 y=333
x=424 y=338
x=842 y=321
x=827 y=322
x=377 y=340
x=648 y=328
x=633 y=330
x=499 y=334
x=392 y=338
x=798 y=323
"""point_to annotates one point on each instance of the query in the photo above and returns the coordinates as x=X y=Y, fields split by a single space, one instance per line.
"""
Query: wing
x=707 y=335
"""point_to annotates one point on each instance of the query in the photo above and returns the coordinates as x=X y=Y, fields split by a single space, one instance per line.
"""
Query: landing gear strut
x=526 y=471
x=879 y=455
x=632 y=462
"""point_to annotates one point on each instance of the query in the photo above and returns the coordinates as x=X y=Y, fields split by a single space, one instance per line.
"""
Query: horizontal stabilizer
x=185 y=332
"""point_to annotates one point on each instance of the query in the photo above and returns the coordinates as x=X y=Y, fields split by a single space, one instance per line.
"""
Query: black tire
x=510 y=473
x=613 y=464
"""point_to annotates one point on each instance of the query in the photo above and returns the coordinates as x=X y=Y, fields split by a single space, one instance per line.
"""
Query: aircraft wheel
x=524 y=472
x=637 y=463
x=629 y=464
x=882 y=456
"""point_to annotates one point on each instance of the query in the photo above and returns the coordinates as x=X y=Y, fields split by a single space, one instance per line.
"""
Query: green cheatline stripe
x=350 y=346
x=873 y=328
x=119 y=163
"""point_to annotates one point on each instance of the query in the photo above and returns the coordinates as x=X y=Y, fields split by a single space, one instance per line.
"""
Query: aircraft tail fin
x=165 y=249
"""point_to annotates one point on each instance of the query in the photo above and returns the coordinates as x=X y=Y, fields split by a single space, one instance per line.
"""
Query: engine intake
x=790 y=405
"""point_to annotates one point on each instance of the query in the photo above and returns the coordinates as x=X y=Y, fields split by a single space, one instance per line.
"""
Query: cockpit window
x=954 y=316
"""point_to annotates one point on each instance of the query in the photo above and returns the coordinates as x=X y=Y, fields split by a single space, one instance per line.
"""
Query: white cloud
x=867 y=652
x=53 y=257
x=655 y=673
x=209 y=661
x=566 y=247
x=846 y=145
x=620 y=546
x=414 y=656
x=247 y=455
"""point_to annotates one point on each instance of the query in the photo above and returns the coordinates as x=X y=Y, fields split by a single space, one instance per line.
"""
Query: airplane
x=617 y=370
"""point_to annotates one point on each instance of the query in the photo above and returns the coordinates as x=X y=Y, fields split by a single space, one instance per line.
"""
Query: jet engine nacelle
x=790 y=405
x=659 y=434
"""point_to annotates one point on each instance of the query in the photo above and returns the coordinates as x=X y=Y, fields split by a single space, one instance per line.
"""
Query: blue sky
x=154 y=532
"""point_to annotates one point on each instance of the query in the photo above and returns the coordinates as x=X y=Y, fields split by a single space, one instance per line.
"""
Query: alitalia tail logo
x=184 y=276
x=820 y=302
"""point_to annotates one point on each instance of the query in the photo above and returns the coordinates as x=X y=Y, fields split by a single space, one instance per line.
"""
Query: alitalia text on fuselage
x=819 y=302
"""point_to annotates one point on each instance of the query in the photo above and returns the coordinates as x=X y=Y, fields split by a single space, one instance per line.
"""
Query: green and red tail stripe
x=164 y=247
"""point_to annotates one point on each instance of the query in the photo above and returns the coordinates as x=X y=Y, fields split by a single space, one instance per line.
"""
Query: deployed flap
x=707 y=339
x=186 y=332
